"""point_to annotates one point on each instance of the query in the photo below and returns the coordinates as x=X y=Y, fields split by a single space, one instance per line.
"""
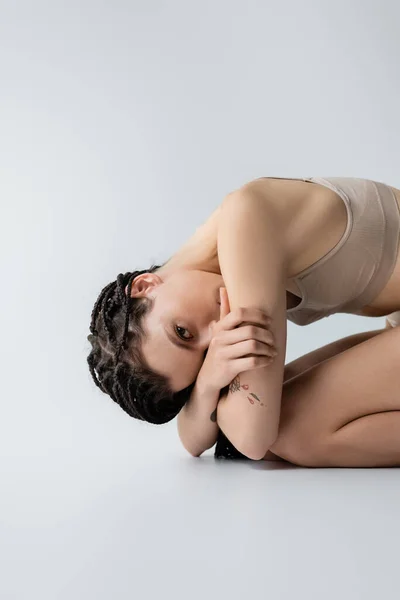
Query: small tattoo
x=234 y=386
x=213 y=416
x=256 y=397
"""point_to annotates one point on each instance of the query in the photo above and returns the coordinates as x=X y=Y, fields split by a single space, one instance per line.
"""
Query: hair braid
x=116 y=362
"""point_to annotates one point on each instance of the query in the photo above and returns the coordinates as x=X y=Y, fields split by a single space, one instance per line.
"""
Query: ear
x=142 y=283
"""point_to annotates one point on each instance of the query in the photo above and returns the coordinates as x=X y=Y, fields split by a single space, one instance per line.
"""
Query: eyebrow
x=177 y=342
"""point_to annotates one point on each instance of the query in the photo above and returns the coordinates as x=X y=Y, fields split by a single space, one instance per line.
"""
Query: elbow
x=255 y=451
x=195 y=452
x=252 y=453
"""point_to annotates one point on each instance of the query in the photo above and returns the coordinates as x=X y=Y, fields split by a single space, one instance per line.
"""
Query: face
x=186 y=303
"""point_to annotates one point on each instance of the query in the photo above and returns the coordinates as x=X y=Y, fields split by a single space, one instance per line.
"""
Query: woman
x=340 y=403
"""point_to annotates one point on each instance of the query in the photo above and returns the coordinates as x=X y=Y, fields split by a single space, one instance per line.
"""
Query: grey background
x=122 y=126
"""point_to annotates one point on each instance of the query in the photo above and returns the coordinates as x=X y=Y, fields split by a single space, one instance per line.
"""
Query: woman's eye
x=182 y=329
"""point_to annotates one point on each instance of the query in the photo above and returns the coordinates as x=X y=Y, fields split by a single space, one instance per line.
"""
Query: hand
x=240 y=341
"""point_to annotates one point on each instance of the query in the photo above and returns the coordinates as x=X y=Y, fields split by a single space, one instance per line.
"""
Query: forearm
x=197 y=420
x=254 y=267
x=247 y=403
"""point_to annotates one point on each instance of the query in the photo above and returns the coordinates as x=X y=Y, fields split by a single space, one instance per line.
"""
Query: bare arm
x=197 y=420
x=252 y=262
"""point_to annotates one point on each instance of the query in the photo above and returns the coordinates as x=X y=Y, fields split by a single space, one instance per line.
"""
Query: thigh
x=301 y=364
x=361 y=380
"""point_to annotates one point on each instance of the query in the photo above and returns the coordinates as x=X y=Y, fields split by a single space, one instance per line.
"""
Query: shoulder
x=261 y=187
x=258 y=195
x=290 y=200
x=278 y=190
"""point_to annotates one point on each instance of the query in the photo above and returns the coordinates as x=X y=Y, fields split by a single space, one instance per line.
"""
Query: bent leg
x=319 y=404
x=306 y=361
x=369 y=441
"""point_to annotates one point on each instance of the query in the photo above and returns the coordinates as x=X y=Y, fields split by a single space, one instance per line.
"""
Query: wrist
x=205 y=388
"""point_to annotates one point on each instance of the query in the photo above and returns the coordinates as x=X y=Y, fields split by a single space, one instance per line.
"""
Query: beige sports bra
x=351 y=274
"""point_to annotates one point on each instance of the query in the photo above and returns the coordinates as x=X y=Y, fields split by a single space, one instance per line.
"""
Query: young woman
x=340 y=404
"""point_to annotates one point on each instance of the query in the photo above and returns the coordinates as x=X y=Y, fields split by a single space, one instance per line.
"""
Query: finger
x=249 y=348
x=224 y=306
x=251 y=316
x=225 y=292
x=256 y=332
x=251 y=362
x=228 y=337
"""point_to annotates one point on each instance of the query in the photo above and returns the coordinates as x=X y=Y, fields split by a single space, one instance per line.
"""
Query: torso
x=321 y=220
x=313 y=219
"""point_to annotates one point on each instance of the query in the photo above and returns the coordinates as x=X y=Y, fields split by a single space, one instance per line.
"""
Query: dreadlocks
x=116 y=362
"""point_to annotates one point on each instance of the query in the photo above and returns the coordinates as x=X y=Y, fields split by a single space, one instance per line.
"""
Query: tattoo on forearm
x=235 y=386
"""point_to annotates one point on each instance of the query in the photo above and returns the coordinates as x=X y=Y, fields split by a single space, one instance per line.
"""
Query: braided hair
x=116 y=361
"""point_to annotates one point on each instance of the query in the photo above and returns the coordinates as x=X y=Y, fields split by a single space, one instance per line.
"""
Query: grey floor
x=175 y=526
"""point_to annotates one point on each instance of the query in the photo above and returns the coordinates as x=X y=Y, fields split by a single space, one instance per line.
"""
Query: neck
x=199 y=252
